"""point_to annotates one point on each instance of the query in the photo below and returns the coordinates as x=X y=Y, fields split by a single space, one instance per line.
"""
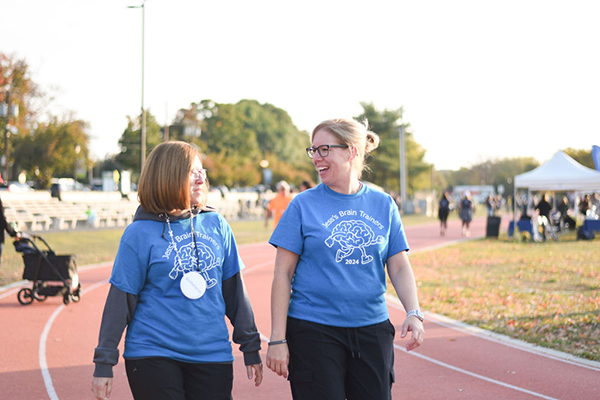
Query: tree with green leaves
x=583 y=157
x=493 y=172
x=129 y=157
x=385 y=160
x=44 y=149
x=236 y=137
x=50 y=151
x=18 y=90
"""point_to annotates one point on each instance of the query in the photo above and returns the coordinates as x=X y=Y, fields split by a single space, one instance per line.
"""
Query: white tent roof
x=560 y=173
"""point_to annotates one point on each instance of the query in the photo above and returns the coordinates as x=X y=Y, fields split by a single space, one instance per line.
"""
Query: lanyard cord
x=177 y=257
x=194 y=239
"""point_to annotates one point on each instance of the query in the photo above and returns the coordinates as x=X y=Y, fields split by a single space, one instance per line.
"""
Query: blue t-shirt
x=343 y=242
x=166 y=323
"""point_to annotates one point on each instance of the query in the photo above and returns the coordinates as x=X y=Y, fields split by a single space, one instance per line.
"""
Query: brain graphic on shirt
x=351 y=235
x=187 y=262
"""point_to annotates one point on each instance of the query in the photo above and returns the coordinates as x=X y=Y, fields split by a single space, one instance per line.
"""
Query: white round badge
x=193 y=285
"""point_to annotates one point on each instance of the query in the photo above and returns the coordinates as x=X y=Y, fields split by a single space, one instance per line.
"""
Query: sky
x=477 y=80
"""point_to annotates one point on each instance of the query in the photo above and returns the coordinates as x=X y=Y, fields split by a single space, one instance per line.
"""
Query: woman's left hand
x=414 y=325
x=258 y=373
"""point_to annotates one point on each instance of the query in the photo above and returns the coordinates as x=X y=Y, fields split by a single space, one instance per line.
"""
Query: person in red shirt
x=278 y=204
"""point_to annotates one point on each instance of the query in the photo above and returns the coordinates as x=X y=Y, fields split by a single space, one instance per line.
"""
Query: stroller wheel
x=76 y=296
x=66 y=298
x=25 y=296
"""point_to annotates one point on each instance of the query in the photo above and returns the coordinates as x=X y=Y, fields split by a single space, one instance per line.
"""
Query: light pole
x=143 y=128
x=77 y=150
x=402 y=171
x=6 y=111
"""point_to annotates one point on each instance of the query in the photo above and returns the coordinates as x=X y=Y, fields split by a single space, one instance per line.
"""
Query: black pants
x=332 y=363
x=157 y=378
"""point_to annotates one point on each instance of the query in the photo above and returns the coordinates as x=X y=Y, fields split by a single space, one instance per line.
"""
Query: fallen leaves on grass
x=543 y=293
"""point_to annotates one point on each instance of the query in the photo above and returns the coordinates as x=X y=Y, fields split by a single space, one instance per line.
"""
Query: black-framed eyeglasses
x=323 y=149
x=196 y=174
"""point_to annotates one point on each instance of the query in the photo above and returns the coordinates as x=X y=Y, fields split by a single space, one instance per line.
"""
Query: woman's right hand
x=278 y=357
x=101 y=387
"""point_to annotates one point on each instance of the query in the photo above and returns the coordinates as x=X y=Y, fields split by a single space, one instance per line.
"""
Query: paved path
x=46 y=348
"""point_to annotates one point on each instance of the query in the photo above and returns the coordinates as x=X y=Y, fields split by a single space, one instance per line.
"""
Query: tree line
x=238 y=143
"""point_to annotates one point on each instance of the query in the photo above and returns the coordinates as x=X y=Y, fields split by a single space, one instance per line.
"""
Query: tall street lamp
x=77 y=150
x=6 y=111
x=143 y=128
x=403 y=177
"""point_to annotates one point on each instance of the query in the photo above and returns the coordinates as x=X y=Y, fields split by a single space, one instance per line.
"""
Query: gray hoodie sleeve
x=239 y=312
x=118 y=312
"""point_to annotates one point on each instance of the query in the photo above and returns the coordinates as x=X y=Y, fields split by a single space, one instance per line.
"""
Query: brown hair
x=164 y=182
x=352 y=133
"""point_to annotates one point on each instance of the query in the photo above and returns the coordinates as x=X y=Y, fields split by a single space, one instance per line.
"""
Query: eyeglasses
x=196 y=174
x=323 y=150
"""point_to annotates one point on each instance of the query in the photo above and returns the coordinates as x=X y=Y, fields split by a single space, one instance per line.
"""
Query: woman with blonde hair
x=177 y=274
x=331 y=334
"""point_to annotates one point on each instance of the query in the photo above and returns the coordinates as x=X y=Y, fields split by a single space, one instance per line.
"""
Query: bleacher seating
x=38 y=211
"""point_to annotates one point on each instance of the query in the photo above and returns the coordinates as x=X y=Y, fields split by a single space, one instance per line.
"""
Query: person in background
x=443 y=211
x=563 y=207
x=55 y=191
x=595 y=205
x=278 y=204
x=5 y=226
x=465 y=211
x=91 y=217
x=584 y=205
x=331 y=335
x=305 y=185
x=543 y=208
x=176 y=276
x=490 y=205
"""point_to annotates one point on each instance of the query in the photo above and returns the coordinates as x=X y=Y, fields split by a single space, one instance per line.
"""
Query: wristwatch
x=416 y=313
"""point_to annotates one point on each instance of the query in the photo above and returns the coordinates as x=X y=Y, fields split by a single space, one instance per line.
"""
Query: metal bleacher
x=38 y=211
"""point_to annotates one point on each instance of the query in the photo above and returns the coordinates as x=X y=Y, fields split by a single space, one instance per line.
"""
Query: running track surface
x=47 y=348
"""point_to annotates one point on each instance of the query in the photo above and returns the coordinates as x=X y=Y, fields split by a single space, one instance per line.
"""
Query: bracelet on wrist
x=275 y=342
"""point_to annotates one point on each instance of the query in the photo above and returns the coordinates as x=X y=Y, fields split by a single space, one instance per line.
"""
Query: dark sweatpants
x=159 y=378
x=333 y=363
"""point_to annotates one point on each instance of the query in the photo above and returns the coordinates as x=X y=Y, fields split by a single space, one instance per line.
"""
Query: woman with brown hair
x=176 y=275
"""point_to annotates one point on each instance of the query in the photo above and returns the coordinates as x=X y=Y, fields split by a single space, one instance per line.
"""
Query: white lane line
x=42 y=355
x=515 y=343
x=484 y=378
x=247 y=270
x=44 y=338
x=9 y=292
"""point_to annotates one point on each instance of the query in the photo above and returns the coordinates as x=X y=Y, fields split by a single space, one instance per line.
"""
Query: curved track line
x=42 y=354
x=255 y=267
x=9 y=292
x=44 y=337
x=474 y=375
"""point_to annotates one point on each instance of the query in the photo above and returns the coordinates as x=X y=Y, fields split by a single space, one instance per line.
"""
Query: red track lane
x=46 y=348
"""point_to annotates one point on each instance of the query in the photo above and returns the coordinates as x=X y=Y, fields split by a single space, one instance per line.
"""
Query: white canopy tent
x=559 y=174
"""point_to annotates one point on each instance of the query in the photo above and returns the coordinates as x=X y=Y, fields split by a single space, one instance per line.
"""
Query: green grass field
x=543 y=293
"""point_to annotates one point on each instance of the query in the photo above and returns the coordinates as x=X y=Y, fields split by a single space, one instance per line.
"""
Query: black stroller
x=43 y=267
